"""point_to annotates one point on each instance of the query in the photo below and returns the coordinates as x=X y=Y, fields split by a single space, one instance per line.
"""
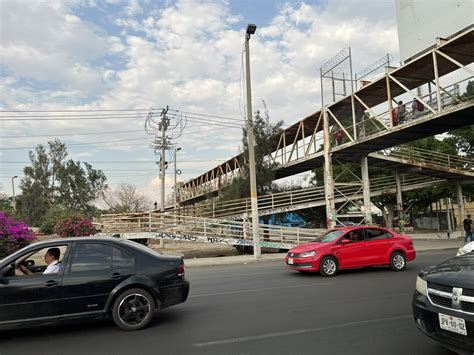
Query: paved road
x=260 y=309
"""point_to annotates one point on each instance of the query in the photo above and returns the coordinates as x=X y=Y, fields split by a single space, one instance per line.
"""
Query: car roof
x=76 y=239
x=349 y=228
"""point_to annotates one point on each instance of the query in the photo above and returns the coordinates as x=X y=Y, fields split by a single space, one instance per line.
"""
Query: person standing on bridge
x=467 y=224
x=401 y=112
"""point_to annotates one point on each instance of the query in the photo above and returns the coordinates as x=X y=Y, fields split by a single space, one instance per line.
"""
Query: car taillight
x=181 y=270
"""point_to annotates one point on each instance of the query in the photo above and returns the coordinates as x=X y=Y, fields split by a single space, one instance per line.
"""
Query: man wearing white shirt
x=51 y=258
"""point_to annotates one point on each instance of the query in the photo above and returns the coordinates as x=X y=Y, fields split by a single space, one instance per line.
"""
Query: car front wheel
x=328 y=266
x=133 y=309
x=398 y=261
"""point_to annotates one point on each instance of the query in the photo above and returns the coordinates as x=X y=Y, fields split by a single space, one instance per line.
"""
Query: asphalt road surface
x=260 y=309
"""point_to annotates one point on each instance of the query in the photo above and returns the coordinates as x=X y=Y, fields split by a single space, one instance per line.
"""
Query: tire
x=328 y=266
x=398 y=261
x=133 y=309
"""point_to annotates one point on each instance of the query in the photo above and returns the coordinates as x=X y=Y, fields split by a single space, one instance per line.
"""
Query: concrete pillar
x=401 y=217
x=328 y=179
x=461 y=210
x=366 y=187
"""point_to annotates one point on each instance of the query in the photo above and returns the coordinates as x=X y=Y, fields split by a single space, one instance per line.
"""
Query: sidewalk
x=421 y=245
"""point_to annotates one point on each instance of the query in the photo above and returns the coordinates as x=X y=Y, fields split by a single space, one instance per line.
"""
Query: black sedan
x=443 y=303
x=89 y=277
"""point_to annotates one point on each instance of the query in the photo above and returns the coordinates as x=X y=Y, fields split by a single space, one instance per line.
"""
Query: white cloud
x=186 y=54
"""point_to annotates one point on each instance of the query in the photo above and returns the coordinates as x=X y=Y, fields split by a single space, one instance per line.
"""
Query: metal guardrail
x=418 y=156
x=196 y=229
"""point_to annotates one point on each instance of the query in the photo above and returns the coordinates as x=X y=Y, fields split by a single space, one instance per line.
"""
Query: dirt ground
x=185 y=249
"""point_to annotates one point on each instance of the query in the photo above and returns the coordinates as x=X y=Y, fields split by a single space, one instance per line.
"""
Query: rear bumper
x=427 y=321
x=411 y=255
x=174 y=294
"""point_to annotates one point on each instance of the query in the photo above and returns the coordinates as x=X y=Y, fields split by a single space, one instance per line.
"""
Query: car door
x=35 y=297
x=352 y=254
x=378 y=245
x=93 y=272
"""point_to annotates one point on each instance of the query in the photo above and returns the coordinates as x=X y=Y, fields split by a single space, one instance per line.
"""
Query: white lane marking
x=297 y=332
x=315 y=284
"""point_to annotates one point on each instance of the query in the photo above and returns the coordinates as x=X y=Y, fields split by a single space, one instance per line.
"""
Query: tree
x=266 y=135
x=52 y=180
x=125 y=198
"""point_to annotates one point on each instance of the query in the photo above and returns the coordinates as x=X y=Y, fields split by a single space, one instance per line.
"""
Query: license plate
x=452 y=324
x=290 y=261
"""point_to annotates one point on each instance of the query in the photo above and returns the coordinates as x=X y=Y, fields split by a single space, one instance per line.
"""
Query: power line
x=207 y=115
x=70 y=134
x=82 y=110
x=80 y=144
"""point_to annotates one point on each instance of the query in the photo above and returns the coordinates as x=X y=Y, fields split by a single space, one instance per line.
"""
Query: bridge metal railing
x=426 y=157
x=197 y=229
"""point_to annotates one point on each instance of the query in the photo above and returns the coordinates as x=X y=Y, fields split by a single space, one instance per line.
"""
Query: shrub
x=14 y=235
x=52 y=216
x=74 y=227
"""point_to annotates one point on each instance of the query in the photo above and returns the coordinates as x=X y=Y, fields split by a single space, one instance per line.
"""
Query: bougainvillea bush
x=74 y=227
x=14 y=235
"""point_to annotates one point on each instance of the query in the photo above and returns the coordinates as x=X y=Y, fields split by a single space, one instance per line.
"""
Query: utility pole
x=176 y=173
x=13 y=190
x=253 y=180
x=162 y=127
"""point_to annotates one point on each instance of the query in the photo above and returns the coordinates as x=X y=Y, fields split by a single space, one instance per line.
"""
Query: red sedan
x=352 y=247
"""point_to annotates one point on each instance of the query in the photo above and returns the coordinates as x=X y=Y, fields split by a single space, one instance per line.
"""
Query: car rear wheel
x=133 y=309
x=398 y=261
x=328 y=266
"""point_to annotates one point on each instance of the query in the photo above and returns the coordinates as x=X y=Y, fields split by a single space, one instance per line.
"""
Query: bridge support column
x=462 y=215
x=328 y=179
x=366 y=189
x=401 y=219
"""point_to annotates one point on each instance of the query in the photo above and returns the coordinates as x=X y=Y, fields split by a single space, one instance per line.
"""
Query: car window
x=376 y=234
x=91 y=256
x=122 y=259
x=356 y=235
x=330 y=236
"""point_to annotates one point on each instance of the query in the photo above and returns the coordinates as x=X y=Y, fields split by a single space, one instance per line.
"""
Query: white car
x=467 y=248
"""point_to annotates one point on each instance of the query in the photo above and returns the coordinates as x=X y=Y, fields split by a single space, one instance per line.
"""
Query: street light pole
x=253 y=180
x=13 y=190
x=175 y=179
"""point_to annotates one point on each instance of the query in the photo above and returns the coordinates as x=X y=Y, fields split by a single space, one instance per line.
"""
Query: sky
x=64 y=59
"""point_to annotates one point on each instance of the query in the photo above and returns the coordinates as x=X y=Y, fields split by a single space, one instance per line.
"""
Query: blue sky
x=114 y=54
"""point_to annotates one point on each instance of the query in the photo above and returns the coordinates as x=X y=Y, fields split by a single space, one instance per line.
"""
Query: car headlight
x=308 y=254
x=421 y=286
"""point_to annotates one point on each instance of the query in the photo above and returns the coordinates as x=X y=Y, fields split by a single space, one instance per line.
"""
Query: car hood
x=456 y=272
x=309 y=246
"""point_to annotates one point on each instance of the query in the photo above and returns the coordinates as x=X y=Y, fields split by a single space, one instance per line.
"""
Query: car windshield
x=330 y=236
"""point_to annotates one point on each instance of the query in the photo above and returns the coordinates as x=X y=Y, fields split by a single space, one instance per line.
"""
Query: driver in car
x=51 y=258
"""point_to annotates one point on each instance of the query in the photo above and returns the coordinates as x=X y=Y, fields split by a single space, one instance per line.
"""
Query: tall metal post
x=176 y=150
x=13 y=191
x=366 y=188
x=438 y=91
x=448 y=217
x=253 y=180
x=328 y=179
x=322 y=93
x=401 y=221
x=462 y=212
x=350 y=68
x=163 y=127
x=389 y=101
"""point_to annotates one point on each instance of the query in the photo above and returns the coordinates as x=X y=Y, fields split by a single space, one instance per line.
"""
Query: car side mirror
x=4 y=281
x=30 y=263
x=346 y=241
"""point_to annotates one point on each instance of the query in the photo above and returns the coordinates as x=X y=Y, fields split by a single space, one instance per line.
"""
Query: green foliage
x=52 y=216
x=266 y=136
x=74 y=227
x=52 y=180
